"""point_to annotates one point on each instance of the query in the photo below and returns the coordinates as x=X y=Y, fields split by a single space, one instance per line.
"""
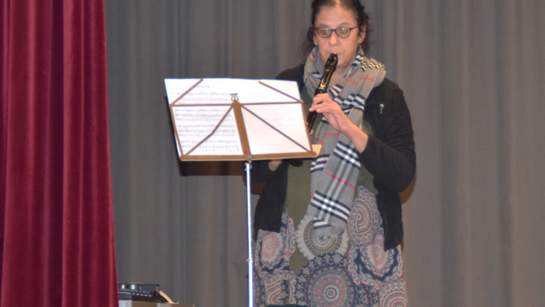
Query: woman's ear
x=361 y=37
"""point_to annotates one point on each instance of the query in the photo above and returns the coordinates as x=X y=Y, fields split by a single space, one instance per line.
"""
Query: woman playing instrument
x=329 y=230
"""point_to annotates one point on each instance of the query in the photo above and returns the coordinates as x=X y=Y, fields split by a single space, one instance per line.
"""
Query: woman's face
x=344 y=48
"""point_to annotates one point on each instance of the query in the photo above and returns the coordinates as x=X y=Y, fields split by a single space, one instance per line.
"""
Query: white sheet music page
x=195 y=123
x=272 y=128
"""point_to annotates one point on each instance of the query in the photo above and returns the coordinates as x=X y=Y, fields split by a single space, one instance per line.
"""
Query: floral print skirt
x=350 y=270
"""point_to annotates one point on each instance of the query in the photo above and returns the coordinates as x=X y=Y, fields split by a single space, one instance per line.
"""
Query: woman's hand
x=335 y=116
x=273 y=164
x=323 y=104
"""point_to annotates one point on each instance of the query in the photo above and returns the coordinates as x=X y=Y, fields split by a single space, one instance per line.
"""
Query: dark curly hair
x=362 y=19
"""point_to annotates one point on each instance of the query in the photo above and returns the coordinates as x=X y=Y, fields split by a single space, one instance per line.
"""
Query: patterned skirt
x=347 y=271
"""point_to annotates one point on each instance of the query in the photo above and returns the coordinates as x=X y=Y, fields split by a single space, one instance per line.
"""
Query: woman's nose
x=333 y=38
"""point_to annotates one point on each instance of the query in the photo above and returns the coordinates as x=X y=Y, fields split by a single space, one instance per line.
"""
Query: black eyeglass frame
x=333 y=30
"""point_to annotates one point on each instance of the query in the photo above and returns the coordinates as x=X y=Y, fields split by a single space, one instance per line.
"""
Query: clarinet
x=329 y=68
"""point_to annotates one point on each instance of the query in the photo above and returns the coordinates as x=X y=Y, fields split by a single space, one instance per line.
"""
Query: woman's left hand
x=335 y=116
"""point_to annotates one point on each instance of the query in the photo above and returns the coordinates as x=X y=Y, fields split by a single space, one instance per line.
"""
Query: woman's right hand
x=273 y=164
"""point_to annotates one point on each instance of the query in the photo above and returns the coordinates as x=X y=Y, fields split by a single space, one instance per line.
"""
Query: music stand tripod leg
x=250 y=251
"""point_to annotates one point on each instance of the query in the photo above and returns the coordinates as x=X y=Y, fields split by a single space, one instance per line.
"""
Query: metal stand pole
x=250 y=251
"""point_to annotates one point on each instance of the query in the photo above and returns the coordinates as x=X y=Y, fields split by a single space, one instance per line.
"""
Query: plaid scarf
x=335 y=171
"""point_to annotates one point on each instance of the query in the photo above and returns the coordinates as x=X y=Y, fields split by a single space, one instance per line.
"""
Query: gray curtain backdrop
x=471 y=71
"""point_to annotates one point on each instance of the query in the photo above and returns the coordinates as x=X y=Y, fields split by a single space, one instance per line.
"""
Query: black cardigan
x=389 y=156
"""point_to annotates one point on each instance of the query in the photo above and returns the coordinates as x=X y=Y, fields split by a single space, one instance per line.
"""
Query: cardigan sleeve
x=268 y=212
x=260 y=171
x=390 y=153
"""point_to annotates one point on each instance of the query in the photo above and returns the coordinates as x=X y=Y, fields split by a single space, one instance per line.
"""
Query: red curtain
x=56 y=219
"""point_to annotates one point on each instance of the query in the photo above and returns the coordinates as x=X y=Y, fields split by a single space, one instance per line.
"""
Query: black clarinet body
x=329 y=69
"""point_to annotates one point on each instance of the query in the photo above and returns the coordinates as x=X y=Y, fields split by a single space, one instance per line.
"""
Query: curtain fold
x=57 y=223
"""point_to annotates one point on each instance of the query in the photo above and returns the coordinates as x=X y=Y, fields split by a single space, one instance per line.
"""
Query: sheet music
x=194 y=124
x=287 y=118
x=272 y=115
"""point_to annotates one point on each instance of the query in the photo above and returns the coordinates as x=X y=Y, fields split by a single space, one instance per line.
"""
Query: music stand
x=238 y=120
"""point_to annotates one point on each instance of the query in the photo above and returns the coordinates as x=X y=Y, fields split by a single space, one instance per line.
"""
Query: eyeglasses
x=325 y=32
